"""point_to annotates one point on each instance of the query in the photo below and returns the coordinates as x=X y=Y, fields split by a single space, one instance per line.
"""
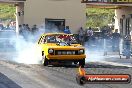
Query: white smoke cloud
x=27 y=50
x=94 y=56
x=30 y=54
x=96 y=52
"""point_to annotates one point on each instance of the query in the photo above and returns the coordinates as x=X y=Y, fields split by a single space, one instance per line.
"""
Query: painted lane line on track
x=115 y=63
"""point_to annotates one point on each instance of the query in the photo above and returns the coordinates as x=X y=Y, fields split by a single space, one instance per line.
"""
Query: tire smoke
x=25 y=47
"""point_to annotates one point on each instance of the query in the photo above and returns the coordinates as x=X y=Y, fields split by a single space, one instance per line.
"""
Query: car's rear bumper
x=65 y=57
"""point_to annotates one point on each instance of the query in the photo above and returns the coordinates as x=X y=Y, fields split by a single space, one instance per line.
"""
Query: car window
x=61 y=38
x=73 y=39
x=51 y=39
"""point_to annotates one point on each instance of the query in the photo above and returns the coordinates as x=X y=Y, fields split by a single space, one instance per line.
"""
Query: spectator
x=81 y=35
x=86 y=36
x=127 y=46
x=89 y=32
x=105 y=32
x=12 y=26
x=89 y=35
x=24 y=31
x=24 y=26
x=61 y=27
x=7 y=27
x=34 y=29
x=1 y=26
x=115 y=40
x=67 y=30
x=27 y=27
x=20 y=29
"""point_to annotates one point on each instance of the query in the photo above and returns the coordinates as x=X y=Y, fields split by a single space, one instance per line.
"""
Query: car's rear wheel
x=44 y=61
x=82 y=63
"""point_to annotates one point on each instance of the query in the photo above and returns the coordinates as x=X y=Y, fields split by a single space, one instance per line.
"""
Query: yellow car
x=61 y=47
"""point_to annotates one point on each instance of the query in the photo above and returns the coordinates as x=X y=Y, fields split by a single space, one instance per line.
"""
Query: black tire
x=82 y=63
x=44 y=61
x=80 y=80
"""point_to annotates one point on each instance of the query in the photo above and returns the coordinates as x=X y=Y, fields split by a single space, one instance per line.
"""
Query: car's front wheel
x=80 y=79
x=82 y=62
x=44 y=61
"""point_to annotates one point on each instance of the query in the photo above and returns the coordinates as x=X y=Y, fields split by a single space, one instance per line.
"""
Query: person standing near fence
x=81 y=35
x=67 y=30
x=104 y=39
x=34 y=29
x=127 y=46
x=89 y=35
x=115 y=40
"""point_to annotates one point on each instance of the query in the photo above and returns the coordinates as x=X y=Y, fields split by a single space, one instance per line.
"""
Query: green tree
x=7 y=11
x=99 y=17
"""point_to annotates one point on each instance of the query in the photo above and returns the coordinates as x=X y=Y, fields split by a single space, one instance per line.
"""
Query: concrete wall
x=126 y=11
x=19 y=17
x=73 y=11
